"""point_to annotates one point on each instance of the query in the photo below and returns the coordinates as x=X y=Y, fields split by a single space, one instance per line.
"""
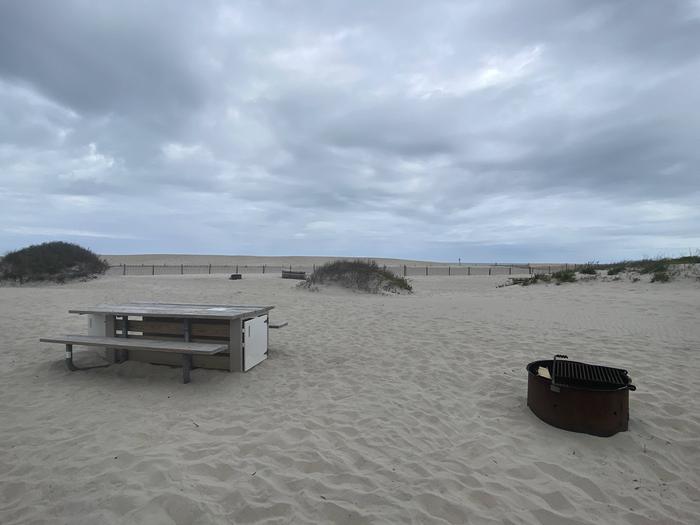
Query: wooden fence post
x=236 y=268
x=124 y=270
x=209 y=268
x=550 y=269
x=510 y=270
x=404 y=270
x=449 y=271
x=469 y=270
x=426 y=270
x=263 y=268
x=182 y=269
x=153 y=269
x=489 y=270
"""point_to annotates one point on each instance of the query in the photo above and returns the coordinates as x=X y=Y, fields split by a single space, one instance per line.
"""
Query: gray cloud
x=480 y=130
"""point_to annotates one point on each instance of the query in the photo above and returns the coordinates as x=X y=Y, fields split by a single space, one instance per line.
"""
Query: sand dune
x=371 y=409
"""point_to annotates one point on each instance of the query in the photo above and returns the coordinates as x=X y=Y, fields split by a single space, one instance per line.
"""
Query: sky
x=489 y=131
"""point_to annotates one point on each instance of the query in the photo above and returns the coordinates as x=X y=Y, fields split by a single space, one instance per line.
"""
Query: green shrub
x=589 y=268
x=564 y=276
x=652 y=265
x=660 y=277
x=660 y=264
x=365 y=276
x=688 y=259
x=538 y=277
x=51 y=261
x=616 y=269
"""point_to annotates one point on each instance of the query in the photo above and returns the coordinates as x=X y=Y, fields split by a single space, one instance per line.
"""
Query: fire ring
x=578 y=396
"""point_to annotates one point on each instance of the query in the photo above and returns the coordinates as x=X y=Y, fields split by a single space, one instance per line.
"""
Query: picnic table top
x=180 y=310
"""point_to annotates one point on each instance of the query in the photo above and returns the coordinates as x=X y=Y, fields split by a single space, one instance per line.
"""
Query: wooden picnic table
x=227 y=337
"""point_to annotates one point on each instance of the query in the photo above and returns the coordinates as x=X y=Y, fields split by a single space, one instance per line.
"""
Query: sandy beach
x=370 y=409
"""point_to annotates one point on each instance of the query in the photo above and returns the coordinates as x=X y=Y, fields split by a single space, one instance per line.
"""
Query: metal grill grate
x=574 y=373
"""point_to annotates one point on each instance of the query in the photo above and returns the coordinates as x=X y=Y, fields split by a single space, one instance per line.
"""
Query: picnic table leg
x=186 y=367
x=69 y=358
x=111 y=331
x=187 y=358
x=123 y=354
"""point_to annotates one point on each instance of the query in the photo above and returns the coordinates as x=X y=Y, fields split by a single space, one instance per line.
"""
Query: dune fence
x=404 y=270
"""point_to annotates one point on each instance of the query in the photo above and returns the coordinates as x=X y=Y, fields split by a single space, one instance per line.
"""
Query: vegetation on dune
x=51 y=261
x=589 y=268
x=537 y=278
x=660 y=277
x=616 y=269
x=564 y=276
x=661 y=268
x=364 y=276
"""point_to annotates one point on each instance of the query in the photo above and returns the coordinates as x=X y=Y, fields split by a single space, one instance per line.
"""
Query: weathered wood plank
x=220 y=361
x=139 y=344
x=220 y=329
x=207 y=311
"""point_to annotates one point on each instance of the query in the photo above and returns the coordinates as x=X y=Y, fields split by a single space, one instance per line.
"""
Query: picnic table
x=226 y=337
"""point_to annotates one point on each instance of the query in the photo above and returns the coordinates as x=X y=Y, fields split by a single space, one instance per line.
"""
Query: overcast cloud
x=491 y=131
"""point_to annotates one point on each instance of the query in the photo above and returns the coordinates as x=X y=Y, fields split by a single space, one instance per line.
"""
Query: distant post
x=469 y=270
x=153 y=269
x=263 y=268
x=124 y=269
x=209 y=268
x=449 y=271
x=426 y=270
x=182 y=269
x=489 y=270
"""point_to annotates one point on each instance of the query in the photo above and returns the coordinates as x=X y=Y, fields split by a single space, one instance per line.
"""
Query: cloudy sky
x=491 y=130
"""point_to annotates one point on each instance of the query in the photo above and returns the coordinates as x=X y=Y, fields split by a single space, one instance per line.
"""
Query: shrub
x=660 y=277
x=660 y=264
x=51 y=261
x=564 y=276
x=589 y=268
x=366 y=276
x=543 y=277
x=652 y=265
x=616 y=269
x=688 y=259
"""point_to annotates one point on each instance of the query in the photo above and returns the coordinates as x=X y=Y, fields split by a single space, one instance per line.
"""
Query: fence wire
x=399 y=270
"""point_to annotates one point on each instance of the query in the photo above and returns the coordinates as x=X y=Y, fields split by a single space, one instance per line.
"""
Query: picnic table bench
x=227 y=337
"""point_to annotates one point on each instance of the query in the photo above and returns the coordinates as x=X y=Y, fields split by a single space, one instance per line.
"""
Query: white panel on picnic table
x=97 y=325
x=255 y=349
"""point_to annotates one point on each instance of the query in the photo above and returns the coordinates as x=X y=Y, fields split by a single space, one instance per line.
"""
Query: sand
x=371 y=409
